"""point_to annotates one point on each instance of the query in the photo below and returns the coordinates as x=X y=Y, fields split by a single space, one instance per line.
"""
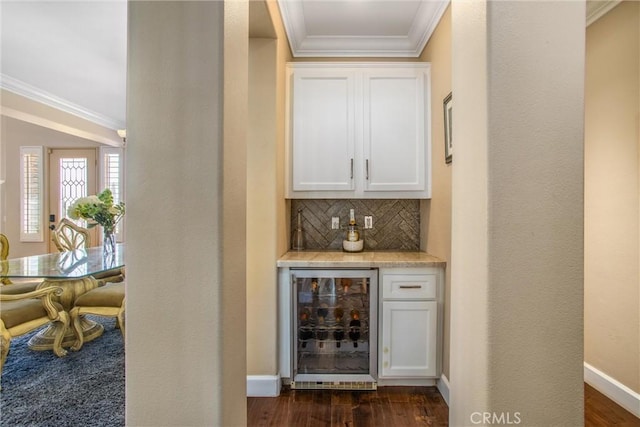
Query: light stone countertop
x=366 y=259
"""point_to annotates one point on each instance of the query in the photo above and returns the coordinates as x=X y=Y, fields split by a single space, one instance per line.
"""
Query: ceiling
x=68 y=54
x=72 y=54
x=357 y=28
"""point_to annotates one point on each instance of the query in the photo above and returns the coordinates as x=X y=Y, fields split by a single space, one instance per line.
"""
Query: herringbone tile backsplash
x=396 y=223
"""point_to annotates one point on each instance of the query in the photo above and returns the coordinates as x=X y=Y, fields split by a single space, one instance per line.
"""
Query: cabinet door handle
x=367 y=169
x=410 y=286
x=352 y=168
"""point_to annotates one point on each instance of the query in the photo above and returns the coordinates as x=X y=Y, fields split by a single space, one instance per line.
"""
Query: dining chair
x=4 y=254
x=107 y=300
x=23 y=313
x=19 y=287
x=69 y=236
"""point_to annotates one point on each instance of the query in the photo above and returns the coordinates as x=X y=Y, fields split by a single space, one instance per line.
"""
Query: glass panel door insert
x=335 y=333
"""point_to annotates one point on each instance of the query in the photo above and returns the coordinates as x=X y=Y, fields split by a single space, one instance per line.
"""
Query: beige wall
x=283 y=56
x=186 y=230
x=612 y=195
x=262 y=202
x=435 y=215
x=517 y=211
x=267 y=232
x=17 y=133
x=233 y=313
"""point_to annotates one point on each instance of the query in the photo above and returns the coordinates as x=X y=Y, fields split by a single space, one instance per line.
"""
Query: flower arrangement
x=98 y=210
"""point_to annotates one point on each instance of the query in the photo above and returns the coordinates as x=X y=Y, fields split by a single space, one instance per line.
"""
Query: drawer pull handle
x=410 y=286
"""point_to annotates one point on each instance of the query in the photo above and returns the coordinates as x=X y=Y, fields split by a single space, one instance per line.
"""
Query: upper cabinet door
x=323 y=130
x=394 y=131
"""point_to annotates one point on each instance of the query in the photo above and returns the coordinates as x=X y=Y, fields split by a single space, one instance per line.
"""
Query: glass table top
x=64 y=265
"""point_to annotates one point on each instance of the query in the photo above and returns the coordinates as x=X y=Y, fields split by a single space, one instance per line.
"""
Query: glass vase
x=109 y=241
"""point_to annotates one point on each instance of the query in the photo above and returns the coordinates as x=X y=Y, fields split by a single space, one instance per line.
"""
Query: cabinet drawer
x=409 y=286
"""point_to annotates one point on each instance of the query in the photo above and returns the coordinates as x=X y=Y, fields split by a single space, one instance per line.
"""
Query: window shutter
x=31 y=194
x=111 y=177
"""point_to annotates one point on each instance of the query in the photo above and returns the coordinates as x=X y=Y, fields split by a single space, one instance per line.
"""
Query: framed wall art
x=448 y=127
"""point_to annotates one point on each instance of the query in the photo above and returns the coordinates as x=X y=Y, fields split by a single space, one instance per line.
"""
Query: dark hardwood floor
x=393 y=406
x=388 y=406
x=600 y=411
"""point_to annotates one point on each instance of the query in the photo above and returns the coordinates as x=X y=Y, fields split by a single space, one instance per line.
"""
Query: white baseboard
x=443 y=388
x=263 y=385
x=613 y=389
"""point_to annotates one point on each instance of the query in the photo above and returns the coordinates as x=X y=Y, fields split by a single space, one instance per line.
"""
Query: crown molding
x=293 y=20
x=427 y=19
x=411 y=45
x=599 y=10
x=113 y=141
x=35 y=94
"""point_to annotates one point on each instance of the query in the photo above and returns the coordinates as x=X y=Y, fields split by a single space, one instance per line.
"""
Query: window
x=111 y=177
x=31 y=190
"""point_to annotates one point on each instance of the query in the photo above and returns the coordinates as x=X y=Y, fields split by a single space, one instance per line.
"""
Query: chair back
x=68 y=236
x=4 y=254
x=4 y=247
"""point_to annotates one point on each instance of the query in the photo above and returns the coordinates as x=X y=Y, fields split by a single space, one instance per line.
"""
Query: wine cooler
x=334 y=321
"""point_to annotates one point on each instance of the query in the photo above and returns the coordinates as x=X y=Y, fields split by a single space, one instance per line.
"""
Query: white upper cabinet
x=323 y=130
x=358 y=130
x=394 y=129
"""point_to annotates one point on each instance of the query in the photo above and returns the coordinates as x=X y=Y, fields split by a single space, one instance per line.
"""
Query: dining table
x=74 y=272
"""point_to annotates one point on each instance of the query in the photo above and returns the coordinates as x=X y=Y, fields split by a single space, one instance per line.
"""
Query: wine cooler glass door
x=335 y=326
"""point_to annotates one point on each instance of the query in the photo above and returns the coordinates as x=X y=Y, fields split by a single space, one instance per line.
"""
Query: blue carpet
x=85 y=388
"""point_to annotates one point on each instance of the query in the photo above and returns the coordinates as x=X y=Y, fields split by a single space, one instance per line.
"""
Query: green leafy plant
x=98 y=209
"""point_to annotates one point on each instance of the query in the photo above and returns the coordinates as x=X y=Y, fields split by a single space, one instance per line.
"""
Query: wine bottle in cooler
x=354 y=327
x=323 y=311
x=338 y=331
x=322 y=332
x=305 y=333
x=346 y=284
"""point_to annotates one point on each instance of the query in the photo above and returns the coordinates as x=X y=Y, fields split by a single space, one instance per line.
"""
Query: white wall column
x=517 y=213
x=185 y=358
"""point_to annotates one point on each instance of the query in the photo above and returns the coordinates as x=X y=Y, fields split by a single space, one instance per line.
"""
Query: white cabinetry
x=410 y=306
x=323 y=130
x=358 y=130
x=410 y=321
x=394 y=129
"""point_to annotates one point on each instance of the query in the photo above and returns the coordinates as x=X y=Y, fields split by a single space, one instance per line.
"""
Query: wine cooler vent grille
x=334 y=385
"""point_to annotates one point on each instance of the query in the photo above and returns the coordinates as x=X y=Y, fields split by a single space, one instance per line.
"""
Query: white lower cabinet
x=410 y=323
x=409 y=347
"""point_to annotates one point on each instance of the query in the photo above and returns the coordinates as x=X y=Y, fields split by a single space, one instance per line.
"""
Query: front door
x=72 y=174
